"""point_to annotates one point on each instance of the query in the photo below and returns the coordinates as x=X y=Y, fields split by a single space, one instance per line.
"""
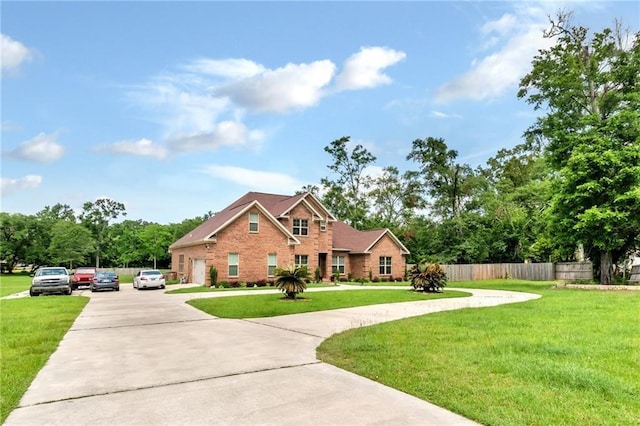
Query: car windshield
x=53 y=271
x=105 y=275
x=151 y=273
x=85 y=271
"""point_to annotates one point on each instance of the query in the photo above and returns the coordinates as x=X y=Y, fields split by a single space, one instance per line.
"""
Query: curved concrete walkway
x=147 y=358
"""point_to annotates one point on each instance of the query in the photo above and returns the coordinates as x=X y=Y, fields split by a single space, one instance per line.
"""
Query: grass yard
x=570 y=358
x=31 y=329
x=204 y=289
x=269 y=305
x=14 y=283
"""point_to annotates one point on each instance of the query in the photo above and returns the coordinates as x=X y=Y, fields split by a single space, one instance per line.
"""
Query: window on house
x=181 y=263
x=300 y=227
x=272 y=264
x=302 y=260
x=234 y=260
x=385 y=265
x=323 y=225
x=253 y=222
x=337 y=264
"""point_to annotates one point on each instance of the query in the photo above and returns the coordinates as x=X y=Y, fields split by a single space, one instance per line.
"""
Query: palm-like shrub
x=429 y=277
x=292 y=280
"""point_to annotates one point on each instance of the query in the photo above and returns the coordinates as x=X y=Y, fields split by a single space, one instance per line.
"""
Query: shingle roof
x=275 y=205
x=345 y=237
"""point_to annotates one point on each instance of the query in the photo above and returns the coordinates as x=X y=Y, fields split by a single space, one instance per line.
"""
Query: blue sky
x=179 y=108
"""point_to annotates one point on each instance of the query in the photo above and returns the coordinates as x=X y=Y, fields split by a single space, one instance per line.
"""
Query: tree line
x=572 y=184
x=57 y=236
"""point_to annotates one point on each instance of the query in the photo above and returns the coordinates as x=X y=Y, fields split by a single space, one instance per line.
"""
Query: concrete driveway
x=147 y=358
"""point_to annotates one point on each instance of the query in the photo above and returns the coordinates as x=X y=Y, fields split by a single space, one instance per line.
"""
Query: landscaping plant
x=213 y=275
x=292 y=280
x=429 y=277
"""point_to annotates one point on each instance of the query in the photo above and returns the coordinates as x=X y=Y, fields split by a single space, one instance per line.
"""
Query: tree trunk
x=605 y=267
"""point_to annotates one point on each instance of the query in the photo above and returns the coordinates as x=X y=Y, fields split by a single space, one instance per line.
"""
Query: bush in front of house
x=428 y=277
x=213 y=276
x=225 y=284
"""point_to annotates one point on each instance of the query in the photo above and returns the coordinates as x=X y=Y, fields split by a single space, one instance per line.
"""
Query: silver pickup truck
x=50 y=280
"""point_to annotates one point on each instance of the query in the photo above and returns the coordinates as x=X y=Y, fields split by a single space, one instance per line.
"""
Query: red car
x=82 y=276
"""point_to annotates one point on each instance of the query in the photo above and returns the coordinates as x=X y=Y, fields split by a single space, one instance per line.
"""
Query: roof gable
x=207 y=230
x=348 y=238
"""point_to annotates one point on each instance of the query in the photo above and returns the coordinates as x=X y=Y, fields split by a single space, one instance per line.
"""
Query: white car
x=149 y=278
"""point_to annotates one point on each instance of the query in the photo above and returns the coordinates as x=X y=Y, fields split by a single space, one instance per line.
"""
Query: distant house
x=259 y=232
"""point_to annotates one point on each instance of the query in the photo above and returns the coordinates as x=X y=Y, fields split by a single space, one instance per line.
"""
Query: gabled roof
x=273 y=206
x=350 y=239
x=345 y=238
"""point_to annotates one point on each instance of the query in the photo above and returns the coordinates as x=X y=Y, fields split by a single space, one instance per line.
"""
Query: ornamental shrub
x=428 y=277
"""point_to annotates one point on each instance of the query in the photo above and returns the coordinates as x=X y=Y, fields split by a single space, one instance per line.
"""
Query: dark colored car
x=105 y=280
x=82 y=276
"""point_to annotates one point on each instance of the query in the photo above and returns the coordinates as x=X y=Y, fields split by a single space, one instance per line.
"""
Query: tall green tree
x=96 y=217
x=346 y=193
x=155 y=240
x=449 y=184
x=395 y=198
x=589 y=86
x=70 y=243
x=16 y=232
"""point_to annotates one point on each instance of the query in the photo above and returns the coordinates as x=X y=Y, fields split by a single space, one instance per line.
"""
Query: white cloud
x=231 y=68
x=364 y=69
x=203 y=104
x=517 y=38
x=13 y=54
x=225 y=133
x=257 y=180
x=9 y=185
x=142 y=148
x=41 y=149
x=443 y=115
x=293 y=86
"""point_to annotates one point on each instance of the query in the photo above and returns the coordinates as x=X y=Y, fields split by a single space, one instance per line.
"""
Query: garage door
x=199 y=271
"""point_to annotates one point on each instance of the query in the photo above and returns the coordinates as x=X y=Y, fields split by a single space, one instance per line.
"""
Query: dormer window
x=253 y=222
x=300 y=227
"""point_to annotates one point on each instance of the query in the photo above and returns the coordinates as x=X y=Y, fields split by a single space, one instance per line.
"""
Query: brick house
x=259 y=232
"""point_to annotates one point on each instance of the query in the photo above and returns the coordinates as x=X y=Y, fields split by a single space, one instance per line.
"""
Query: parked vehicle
x=50 y=280
x=105 y=280
x=82 y=276
x=149 y=278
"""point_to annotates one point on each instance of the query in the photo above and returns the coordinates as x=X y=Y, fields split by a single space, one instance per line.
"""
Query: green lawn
x=569 y=358
x=269 y=305
x=31 y=329
x=204 y=289
x=14 y=283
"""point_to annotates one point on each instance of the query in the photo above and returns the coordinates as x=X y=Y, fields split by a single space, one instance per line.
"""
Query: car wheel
x=93 y=290
x=117 y=288
x=162 y=286
x=69 y=291
x=33 y=293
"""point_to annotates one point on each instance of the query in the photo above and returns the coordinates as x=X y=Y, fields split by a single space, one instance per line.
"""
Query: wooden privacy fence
x=574 y=271
x=567 y=271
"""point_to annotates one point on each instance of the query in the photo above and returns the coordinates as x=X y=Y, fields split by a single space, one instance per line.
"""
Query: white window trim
x=337 y=262
x=298 y=257
x=385 y=265
x=257 y=222
x=269 y=265
x=300 y=227
x=237 y=265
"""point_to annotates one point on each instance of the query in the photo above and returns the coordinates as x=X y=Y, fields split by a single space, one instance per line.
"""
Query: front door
x=322 y=264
